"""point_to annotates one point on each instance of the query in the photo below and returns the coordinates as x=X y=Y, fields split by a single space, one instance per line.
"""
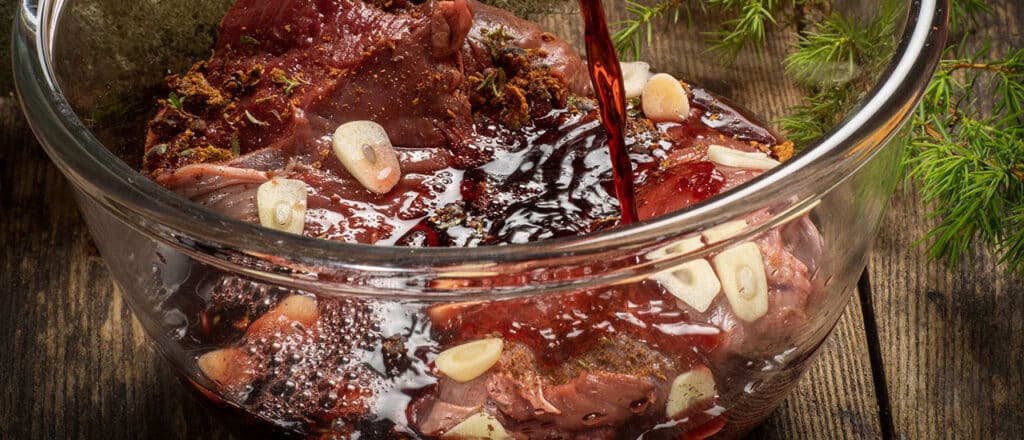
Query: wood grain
x=951 y=342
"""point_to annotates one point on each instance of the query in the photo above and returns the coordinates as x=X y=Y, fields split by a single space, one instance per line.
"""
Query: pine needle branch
x=632 y=35
x=966 y=158
x=749 y=25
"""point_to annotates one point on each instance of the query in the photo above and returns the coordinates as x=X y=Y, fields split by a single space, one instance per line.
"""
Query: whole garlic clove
x=664 y=99
x=479 y=426
x=740 y=159
x=723 y=231
x=468 y=361
x=282 y=204
x=741 y=271
x=634 y=77
x=694 y=283
x=689 y=389
x=366 y=152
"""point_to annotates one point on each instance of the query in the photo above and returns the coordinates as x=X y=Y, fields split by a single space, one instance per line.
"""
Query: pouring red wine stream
x=606 y=74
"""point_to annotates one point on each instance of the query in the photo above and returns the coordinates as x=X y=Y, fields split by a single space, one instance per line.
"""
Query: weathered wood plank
x=952 y=343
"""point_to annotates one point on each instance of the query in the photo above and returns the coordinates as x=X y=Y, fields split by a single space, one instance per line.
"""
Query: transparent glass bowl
x=87 y=72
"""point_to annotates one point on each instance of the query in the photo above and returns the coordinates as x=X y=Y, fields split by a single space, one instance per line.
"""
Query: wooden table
x=920 y=353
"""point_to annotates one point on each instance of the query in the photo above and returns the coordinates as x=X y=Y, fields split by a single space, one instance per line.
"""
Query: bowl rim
x=796 y=184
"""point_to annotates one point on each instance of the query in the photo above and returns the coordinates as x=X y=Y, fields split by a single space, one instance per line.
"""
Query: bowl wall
x=200 y=283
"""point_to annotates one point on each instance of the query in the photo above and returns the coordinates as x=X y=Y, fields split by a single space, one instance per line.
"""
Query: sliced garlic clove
x=689 y=389
x=282 y=204
x=634 y=77
x=366 y=152
x=479 y=426
x=468 y=361
x=740 y=159
x=682 y=246
x=217 y=364
x=693 y=282
x=664 y=99
x=724 y=231
x=741 y=271
x=300 y=308
x=442 y=314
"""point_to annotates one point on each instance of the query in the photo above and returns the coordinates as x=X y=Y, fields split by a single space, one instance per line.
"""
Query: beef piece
x=449 y=403
x=560 y=57
x=279 y=64
x=623 y=383
x=225 y=189
x=286 y=74
x=685 y=176
x=720 y=114
x=561 y=327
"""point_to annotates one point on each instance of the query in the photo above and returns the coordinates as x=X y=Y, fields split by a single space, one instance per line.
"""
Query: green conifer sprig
x=747 y=26
x=631 y=35
x=837 y=59
x=966 y=156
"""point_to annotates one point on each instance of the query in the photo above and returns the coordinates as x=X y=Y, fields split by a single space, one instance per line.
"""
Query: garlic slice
x=634 y=77
x=366 y=152
x=723 y=231
x=689 y=389
x=741 y=271
x=664 y=99
x=282 y=204
x=300 y=308
x=216 y=364
x=468 y=361
x=443 y=313
x=740 y=159
x=685 y=245
x=693 y=282
x=478 y=426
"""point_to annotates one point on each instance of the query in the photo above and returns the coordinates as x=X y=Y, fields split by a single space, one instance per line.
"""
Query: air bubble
x=283 y=389
x=592 y=418
x=638 y=406
x=327 y=401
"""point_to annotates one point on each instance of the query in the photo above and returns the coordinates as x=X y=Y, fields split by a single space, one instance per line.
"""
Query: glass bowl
x=301 y=336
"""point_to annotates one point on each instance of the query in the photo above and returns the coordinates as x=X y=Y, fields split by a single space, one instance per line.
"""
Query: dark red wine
x=611 y=95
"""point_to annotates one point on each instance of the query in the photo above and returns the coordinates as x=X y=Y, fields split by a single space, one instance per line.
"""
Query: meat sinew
x=453 y=123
